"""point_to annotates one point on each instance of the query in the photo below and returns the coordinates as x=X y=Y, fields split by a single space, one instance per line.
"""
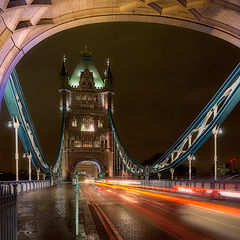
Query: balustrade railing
x=8 y=203
x=8 y=212
x=26 y=186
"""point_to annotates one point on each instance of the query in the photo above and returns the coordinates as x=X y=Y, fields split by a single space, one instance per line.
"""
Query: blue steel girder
x=211 y=117
x=131 y=165
x=56 y=166
x=17 y=108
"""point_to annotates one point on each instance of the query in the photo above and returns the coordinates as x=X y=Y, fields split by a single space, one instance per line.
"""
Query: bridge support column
x=217 y=130
x=172 y=172
x=38 y=171
x=29 y=156
x=147 y=172
x=190 y=158
x=15 y=123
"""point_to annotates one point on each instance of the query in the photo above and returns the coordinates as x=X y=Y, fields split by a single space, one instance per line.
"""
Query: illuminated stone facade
x=88 y=134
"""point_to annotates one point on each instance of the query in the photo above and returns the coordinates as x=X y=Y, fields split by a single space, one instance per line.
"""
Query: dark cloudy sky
x=163 y=78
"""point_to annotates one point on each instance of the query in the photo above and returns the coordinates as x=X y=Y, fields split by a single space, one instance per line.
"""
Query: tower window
x=87 y=142
x=84 y=85
x=97 y=144
x=77 y=143
x=90 y=85
x=74 y=122
x=100 y=123
x=87 y=124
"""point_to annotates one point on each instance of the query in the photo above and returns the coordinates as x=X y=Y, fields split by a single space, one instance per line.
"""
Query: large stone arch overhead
x=25 y=23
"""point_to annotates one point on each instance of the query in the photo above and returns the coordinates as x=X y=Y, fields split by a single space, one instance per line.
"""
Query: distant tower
x=88 y=136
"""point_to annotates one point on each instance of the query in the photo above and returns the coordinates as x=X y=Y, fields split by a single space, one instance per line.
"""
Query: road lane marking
x=99 y=210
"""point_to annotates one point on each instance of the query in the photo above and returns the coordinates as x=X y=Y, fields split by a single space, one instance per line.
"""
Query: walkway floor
x=47 y=214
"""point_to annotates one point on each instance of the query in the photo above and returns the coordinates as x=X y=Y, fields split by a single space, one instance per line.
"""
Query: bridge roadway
x=122 y=214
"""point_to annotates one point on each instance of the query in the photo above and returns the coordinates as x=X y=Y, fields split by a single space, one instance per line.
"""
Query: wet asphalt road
x=120 y=214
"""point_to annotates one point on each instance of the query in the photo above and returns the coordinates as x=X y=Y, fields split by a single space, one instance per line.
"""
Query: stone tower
x=88 y=137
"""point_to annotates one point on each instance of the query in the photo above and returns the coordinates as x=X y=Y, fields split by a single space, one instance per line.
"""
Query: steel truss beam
x=213 y=115
x=17 y=108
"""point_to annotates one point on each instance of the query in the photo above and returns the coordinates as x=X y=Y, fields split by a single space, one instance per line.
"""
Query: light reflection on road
x=49 y=214
x=184 y=221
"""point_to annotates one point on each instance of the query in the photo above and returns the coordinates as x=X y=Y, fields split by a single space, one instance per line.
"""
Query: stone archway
x=91 y=168
x=25 y=23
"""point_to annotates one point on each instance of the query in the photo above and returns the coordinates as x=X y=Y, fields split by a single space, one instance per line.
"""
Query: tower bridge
x=88 y=132
x=89 y=141
x=90 y=146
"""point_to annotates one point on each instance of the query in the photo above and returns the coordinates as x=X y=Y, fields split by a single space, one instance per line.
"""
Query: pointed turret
x=63 y=85
x=108 y=77
x=109 y=86
x=64 y=74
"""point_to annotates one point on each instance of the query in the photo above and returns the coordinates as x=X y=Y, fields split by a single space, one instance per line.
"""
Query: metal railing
x=8 y=212
x=26 y=186
x=8 y=203
x=200 y=184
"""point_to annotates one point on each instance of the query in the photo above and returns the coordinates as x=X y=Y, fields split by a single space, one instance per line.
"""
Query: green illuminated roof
x=86 y=62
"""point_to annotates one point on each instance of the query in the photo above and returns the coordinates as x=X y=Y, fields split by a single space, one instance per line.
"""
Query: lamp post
x=38 y=171
x=29 y=156
x=190 y=158
x=15 y=123
x=76 y=201
x=172 y=172
x=216 y=130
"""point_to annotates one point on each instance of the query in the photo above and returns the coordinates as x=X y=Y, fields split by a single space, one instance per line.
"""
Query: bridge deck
x=122 y=214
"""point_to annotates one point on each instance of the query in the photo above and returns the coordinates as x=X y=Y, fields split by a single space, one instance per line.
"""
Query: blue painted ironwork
x=17 y=108
x=211 y=117
x=131 y=165
x=56 y=165
x=191 y=140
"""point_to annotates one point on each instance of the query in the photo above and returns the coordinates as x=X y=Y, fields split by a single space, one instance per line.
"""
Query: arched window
x=84 y=85
x=74 y=122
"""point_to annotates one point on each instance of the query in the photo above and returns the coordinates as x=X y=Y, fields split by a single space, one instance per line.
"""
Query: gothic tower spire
x=108 y=77
x=64 y=74
x=63 y=85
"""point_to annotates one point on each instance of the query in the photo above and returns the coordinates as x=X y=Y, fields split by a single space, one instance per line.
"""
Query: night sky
x=163 y=78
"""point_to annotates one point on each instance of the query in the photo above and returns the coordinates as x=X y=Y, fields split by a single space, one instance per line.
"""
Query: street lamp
x=38 y=171
x=75 y=183
x=216 y=130
x=190 y=158
x=29 y=156
x=15 y=123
